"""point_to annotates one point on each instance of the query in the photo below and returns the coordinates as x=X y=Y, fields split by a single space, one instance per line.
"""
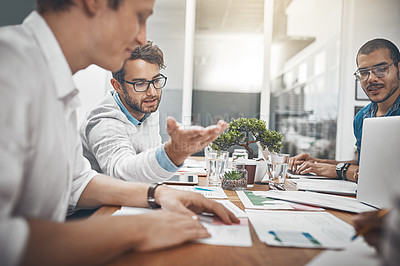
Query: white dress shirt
x=43 y=172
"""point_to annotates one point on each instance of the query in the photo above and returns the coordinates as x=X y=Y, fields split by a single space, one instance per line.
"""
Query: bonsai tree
x=244 y=131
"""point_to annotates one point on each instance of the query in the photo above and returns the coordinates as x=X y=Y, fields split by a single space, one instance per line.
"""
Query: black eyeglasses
x=378 y=71
x=144 y=85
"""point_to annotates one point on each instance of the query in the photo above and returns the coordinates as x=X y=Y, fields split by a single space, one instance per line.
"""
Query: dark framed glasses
x=144 y=85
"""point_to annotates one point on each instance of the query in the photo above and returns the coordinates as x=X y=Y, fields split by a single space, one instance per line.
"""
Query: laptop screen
x=379 y=172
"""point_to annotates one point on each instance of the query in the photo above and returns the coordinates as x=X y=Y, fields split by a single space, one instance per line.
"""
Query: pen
x=367 y=228
x=202 y=189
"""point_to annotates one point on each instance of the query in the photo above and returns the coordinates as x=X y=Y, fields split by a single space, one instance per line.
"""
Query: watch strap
x=339 y=171
x=150 y=195
x=344 y=170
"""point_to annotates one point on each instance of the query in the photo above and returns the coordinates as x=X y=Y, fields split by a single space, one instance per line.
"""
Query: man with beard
x=121 y=135
x=378 y=72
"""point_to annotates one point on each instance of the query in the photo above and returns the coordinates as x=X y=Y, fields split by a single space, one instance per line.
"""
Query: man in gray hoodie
x=121 y=135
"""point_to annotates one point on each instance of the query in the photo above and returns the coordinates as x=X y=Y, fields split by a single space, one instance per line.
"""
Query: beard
x=139 y=106
x=393 y=89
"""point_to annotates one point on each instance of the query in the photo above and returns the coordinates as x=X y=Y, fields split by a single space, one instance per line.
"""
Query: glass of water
x=277 y=166
x=216 y=162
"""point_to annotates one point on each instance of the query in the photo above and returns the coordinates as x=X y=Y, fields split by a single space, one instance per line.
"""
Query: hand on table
x=191 y=203
x=320 y=169
x=185 y=142
x=297 y=160
x=163 y=229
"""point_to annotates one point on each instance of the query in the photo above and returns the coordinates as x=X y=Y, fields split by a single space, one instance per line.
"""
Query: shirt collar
x=126 y=112
x=54 y=57
x=374 y=108
x=396 y=104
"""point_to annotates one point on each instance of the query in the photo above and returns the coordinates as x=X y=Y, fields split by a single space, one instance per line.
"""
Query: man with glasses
x=121 y=135
x=378 y=72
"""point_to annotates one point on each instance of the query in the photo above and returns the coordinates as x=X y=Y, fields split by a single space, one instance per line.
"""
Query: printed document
x=208 y=192
x=327 y=186
x=322 y=200
x=221 y=234
x=233 y=208
x=259 y=200
x=301 y=229
x=357 y=253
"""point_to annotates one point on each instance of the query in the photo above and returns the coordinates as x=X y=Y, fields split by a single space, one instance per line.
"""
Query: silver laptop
x=379 y=172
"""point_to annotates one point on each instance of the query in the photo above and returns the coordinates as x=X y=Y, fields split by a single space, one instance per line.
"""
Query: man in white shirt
x=43 y=171
x=121 y=135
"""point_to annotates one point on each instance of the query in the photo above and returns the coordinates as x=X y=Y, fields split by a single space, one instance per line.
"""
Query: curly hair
x=43 y=6
x=376 y=44
x=148 y=52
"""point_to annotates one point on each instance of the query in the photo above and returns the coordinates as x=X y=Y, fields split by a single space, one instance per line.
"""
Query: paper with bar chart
x=301 y=229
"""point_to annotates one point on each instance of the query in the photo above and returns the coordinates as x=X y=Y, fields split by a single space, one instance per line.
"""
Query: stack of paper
x=301 y=229
x=327 y=186
x=310 y=176
x=321 y=200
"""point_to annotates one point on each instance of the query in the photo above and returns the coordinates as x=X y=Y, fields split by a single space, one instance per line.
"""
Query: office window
x=304 y=90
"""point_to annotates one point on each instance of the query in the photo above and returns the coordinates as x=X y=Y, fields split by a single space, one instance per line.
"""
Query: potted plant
x=234 y=180
x=244 y=131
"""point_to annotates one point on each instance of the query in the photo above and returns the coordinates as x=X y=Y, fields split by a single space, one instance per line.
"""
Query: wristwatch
x=150 y=195
x=341 y=169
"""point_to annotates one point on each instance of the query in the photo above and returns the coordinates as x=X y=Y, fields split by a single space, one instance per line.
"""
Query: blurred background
x=288 y=62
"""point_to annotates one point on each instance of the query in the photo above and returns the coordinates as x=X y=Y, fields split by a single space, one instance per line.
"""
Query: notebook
x=379 y=172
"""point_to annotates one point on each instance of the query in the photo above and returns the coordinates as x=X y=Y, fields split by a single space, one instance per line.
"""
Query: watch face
x=339 y=165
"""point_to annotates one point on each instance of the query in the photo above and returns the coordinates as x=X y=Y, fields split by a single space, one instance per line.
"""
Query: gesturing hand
x=186 y=141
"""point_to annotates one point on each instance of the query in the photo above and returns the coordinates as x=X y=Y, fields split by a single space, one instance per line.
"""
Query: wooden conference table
x=200 y=254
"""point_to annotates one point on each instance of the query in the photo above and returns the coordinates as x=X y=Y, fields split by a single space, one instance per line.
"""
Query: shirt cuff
x=164 y=161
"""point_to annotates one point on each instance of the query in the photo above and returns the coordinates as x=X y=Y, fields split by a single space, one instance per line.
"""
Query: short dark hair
x=43 y=6
x=148 y=52
x=376 y=44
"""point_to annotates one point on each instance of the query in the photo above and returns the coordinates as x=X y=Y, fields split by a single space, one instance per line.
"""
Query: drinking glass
x=216 y=163
x=277 y=166
x=239 y=153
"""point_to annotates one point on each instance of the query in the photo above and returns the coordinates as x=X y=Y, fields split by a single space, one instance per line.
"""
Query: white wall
x=92 y=83
x=362 y=20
